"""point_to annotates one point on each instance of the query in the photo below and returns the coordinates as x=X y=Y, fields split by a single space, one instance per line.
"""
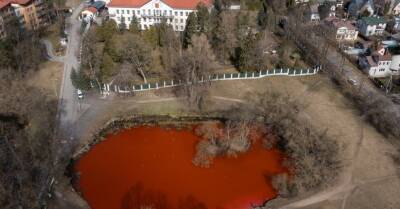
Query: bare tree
x=193 y=68
x=137 y=53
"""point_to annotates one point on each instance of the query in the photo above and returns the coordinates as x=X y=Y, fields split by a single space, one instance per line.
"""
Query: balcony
x=157 y=16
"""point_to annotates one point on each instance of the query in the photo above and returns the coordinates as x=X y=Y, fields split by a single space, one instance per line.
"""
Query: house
x=92 y=11
x=395 y=65
x=378 y=64
x=150 y=12
x=89 y=13
x=32 y=14
x=343 y=29
x=327 y=9
x=396 y=7
x=370 y=26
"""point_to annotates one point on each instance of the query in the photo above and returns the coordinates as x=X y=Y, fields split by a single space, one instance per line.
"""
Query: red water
x=152 y=166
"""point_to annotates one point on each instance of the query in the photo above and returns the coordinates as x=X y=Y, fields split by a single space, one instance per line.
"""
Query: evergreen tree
x=262 y=18
x=107 y=67
x=134 y=26
x=122 y=25
x=107 y=30
x=191 y=28
x=203 y=18
x=80 y=80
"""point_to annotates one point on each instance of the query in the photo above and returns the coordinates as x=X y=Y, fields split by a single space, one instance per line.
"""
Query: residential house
x=378 y=64
x=31 y=14
x=88 y=14
x=395 y=65
x=370 y=26
x=92 y=11
x=343 y=29
x=150 y=12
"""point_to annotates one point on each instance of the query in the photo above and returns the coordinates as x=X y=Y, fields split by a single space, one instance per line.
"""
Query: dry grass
x=48 y=78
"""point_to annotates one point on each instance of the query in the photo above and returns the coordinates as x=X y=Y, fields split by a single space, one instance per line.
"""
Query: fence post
x=274 y=71
x=258 y=74
x=172 y=82
x=115 y=89
x=141 y=86
x=252 y=75
x=245 y=74
x=281 y=71
x=156 y=85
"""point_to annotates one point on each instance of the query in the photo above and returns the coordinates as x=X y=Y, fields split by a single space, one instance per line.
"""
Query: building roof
x=373 y=20
x=91 y=9
x=178 y=4
x=4 y=3
x=338 y=23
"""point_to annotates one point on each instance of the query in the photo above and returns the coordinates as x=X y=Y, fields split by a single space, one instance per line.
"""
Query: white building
x=344 y=30
x=150 y=12
x=395 y=65
x=369 y=26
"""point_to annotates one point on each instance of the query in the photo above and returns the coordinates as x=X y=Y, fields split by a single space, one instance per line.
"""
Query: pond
x=151 y=167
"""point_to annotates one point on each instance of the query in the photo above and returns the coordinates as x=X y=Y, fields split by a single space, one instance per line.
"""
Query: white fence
x=216 y=77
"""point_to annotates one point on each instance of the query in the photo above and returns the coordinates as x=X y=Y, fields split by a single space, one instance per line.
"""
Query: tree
x=91 y=58
x=203 y=18
x=134 y=26
x=151 y=36
x=192 y=68
x=107 y=67
x=190 y=29
x=138 y=54
x=107 y=30
x=122 y=26
x=80 y=80
x=262 y=17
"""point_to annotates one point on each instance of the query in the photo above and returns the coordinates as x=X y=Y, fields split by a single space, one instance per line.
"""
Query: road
x=68 y=106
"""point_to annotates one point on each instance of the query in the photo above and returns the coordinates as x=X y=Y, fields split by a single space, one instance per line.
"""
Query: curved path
x=50 y=51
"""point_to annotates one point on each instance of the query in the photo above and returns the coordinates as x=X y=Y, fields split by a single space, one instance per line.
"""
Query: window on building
x=170 y=12
x=122 y=11
x=143 y=12
x=149 y=12
x=181 y=20
x=165 y=12
x=176 y=13
x=181 y=27
x=127 y=12
x=176 y=27
x=187 y=13
x=129 y=19
x=117 y=11
x=138 y=12
x=176 y=20
x=144 y=19
x=181 y=13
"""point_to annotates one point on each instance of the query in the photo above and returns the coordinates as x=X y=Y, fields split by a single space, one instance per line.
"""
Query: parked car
x=352 y=81
x=79 y=93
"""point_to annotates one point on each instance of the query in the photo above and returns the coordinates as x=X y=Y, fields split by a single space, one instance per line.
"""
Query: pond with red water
x=151 y=167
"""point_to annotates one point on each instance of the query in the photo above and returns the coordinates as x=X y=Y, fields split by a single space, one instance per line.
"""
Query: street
x=68 y=105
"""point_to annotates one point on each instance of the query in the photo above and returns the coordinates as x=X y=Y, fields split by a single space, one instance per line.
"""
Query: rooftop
x=178 y=4
x=373 y=20
x=4 y=3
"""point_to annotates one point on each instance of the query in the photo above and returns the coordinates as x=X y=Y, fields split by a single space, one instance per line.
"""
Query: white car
x=80 y=94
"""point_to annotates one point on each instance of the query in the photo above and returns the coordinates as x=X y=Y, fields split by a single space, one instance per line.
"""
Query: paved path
x=50 y=51
x=68 y=106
